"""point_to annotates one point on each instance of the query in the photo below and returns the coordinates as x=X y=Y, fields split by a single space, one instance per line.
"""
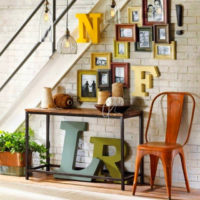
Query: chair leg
x=139 y=156
x=153 y=164
x=184 y=170
x=167 y=162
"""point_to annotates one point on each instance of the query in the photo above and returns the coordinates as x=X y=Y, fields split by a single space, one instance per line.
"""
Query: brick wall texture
x=176 y=75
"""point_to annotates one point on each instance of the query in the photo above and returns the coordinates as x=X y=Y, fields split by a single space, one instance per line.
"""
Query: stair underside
x=55 y=69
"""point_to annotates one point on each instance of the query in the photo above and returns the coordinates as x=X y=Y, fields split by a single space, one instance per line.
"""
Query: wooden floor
x=142 y=191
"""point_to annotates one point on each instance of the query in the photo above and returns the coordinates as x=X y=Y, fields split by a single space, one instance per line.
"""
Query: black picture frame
x=104 y=79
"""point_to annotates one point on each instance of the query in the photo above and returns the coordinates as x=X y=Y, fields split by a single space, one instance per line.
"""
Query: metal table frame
x=48 y=113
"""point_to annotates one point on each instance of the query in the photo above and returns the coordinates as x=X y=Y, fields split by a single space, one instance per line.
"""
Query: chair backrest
x=174 y=114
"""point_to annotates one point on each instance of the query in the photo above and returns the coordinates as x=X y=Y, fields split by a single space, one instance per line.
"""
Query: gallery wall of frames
x=147 y=27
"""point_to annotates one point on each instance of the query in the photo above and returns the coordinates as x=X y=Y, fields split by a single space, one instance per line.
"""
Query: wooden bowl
x=111 y=109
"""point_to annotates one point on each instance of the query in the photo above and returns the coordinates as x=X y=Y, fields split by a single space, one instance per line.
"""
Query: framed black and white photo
x=104 y=79
x=87 y=85
x=121 y=49
x=155 y=12
x=165 y=51
x=120 y=73
x=100 y=60
x=161 y=33
x=144 y=42
x=126 y=32
x=135 y=15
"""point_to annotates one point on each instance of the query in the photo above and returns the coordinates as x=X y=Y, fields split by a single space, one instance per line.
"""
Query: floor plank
x=142 y=191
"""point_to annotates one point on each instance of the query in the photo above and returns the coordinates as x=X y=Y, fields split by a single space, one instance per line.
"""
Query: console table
x=83 y=112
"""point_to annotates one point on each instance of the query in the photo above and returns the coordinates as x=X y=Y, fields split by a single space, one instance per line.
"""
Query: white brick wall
x=182 y=74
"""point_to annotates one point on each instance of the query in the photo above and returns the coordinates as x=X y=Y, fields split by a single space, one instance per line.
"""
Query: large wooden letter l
x=72 y=133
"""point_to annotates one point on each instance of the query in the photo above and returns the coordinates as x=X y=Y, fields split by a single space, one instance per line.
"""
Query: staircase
x=49 y=75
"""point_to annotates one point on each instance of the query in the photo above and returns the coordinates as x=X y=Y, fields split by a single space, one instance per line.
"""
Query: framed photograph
x=120 y=73
x=161 y=33
x=121 y=49
x=144 y=36
x=155 y=12
x=165 y=51
x=126 y=32
x=87 y=85
x=135 y=15
x=100 y=60
x=104 y=79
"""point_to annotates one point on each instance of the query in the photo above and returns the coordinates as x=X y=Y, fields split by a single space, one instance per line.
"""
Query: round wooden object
x=63 y=100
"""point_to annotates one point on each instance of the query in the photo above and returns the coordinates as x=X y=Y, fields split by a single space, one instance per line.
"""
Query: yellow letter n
x=89 y=27
x=143 y=80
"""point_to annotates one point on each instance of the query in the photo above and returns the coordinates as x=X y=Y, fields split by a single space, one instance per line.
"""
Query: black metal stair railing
x=55 y=22
x=22 y=27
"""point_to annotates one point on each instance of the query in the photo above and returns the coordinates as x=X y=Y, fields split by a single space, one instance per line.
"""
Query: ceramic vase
x=47 y=99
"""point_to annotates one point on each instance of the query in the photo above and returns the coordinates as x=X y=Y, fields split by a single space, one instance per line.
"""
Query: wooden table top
x=84 y=112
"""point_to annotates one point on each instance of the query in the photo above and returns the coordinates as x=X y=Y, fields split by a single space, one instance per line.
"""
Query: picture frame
x=121 y=49
x=121 y=73
x=100 y=60
x=165 y=51
x=155 y=12
x=104 y=79
x=161 y=34
x=125 y=32
x=145 y=39
x=135 y=15
x=87 y=90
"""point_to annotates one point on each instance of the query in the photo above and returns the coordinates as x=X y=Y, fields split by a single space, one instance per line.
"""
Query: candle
x=117 y=90
x=102 y=96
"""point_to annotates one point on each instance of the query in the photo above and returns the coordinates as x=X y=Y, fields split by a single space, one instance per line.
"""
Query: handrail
x=37 y=45
x=22 y=27
x=54 y=28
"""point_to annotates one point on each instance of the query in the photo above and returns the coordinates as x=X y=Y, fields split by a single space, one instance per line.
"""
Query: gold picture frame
x=165 y=51
x=87 y=90
x=100 y=60
x=135 y=15
x=121 y=49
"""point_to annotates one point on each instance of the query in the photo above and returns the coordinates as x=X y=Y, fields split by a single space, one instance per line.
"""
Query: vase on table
x=47 y=99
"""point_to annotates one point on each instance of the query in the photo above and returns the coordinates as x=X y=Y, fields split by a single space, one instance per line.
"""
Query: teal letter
x=72 y=133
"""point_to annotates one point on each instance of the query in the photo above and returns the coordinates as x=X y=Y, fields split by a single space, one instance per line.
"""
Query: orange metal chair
x=167 y=150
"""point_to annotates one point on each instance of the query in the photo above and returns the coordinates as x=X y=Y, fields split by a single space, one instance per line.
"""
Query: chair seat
x=159 y=146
